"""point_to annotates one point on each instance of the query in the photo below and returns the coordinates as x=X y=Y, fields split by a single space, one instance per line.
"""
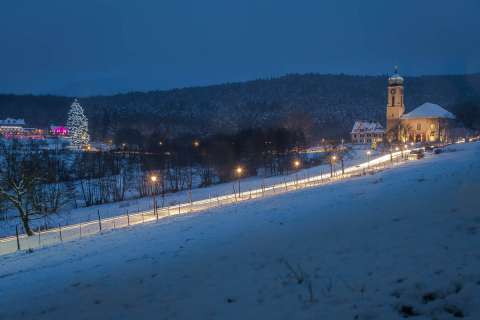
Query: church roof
x=395 y=78
x=361 y=126
x=428 y=110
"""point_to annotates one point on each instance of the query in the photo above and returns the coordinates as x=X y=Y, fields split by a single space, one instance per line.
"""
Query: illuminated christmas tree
x=77 y=125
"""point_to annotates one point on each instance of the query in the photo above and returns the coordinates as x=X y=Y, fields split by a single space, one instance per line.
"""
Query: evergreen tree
x=77 y=125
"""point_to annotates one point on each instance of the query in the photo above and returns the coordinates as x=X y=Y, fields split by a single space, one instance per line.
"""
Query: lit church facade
x=426 y=123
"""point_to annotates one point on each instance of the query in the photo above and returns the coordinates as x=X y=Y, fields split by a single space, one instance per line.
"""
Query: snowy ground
x=72 y=216
x=400 y=243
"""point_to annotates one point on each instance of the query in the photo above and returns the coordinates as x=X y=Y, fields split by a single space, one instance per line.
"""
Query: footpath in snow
x=400 y=243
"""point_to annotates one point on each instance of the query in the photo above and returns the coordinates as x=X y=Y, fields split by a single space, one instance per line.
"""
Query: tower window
x=393 y=100
x=419 y=126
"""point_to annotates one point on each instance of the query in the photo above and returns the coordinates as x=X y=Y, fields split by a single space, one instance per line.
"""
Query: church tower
x=395 y=105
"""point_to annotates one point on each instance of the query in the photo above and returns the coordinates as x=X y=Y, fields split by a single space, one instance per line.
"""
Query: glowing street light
x=368 y=157
x=196 y=143
x=153 y=179
x=332 y=164
x=296 y=165
x=238 y=172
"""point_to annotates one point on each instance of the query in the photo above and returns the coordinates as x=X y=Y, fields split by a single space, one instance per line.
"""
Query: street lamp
x=196 y=143
x=368 y=157
x=332 y=163
x=153 y=179
x=239 y=172
x=296 y=165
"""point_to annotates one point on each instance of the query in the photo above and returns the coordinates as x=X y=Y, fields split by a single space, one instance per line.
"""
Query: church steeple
x=395 y=105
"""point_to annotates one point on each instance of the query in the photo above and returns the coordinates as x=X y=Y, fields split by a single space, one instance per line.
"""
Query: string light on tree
x=77 y=125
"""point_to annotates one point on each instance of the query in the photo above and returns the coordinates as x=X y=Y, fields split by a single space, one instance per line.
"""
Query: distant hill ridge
x=323 y=105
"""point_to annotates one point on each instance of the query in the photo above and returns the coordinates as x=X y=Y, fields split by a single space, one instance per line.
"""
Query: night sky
x=106 y=46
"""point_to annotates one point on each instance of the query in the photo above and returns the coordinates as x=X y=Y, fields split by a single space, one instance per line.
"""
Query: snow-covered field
x=400 y=243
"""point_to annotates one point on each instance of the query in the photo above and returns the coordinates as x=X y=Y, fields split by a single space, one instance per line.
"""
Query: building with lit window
x=11 y=126
x=426 y=123
x=367 y=132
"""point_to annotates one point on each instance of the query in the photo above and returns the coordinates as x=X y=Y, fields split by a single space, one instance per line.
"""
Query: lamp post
x=296 y=166
x=368 y=157
x=332 y=164
x=153 y=179
x=238 y=172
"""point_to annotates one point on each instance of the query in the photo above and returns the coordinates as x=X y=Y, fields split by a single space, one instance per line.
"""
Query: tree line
x=37 y=180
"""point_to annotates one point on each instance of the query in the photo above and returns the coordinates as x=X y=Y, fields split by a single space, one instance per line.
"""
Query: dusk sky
x=106 y=46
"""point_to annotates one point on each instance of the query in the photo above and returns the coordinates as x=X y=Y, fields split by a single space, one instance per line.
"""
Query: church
x=426 y=123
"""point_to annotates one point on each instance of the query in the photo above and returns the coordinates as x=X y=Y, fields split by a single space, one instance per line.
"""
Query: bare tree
x=19 y=180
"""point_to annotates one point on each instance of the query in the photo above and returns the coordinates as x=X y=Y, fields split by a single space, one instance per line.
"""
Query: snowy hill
x=397 y=244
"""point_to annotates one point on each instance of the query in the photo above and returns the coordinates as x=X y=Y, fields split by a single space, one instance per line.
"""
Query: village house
x=367 y=132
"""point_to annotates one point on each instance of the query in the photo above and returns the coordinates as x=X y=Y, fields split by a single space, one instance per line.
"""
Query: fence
x=77 y=231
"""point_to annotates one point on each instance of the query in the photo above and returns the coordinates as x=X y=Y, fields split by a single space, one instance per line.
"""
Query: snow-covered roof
x=12 y=122
x=428 y=110
x=362 y=126
x=395 y=79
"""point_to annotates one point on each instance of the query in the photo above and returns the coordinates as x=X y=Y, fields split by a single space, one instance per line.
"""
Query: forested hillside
x=322 y=105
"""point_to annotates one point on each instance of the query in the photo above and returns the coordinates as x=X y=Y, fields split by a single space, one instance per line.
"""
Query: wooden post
x=143 y=218
x=39 y=231
x=99 y=221
x=128 y=219
x=80 y=230
x=60 y=232
x=18 y=239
